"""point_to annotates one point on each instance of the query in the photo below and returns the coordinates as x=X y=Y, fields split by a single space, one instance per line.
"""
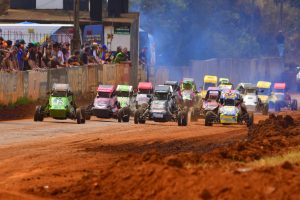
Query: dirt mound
x=152 y=176
x=264 y=139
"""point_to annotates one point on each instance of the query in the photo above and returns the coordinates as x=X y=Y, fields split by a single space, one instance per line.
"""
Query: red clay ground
x=155 y=161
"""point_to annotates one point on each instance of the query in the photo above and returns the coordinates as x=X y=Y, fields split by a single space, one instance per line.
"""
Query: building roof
x=43 y=16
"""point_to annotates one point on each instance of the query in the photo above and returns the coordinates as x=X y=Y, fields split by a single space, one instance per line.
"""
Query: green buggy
x=60 y=106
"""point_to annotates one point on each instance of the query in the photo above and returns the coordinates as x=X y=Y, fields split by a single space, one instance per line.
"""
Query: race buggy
x=161 y=109
x=281 y=99
x=175 y=91
x=230 y=111
x=143 y=102
x=252 y=101
x=144 y=94
x=126 y=101
x=61 y=105
x=105 y=104
x=189 y=102
x=208 y=81
x=223 y=81
x=226 y=86
x=211 y=101
x=264 y=92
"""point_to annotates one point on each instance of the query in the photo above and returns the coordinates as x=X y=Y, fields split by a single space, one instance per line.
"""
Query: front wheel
x=209 y=118
x=38 y=114
x=138 y=116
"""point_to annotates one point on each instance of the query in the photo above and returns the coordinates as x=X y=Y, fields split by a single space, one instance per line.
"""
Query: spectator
x=143 y=56
x=122 y=56
x=57 y=56
x=75 y=59
x=85 y=56
x=20 y=56
x=34 y=56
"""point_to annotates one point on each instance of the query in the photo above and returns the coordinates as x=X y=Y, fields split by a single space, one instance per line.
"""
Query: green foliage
x=190 y=29
x=20 y=102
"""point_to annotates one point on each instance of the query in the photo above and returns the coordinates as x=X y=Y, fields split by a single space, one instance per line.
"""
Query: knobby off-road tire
x=137 y=116
x=124 y=115
x=38 y=114
x=209 y=118
x=182 y=118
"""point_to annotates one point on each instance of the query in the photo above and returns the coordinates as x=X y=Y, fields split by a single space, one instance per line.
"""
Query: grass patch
x=20 y=102
x=292 y=157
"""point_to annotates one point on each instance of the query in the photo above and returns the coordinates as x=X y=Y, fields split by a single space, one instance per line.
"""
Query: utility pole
x=76 y=37
x=281 y=14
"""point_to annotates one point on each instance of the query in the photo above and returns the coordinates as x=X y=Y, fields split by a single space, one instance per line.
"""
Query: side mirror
x=149 y=95
x=48 y=93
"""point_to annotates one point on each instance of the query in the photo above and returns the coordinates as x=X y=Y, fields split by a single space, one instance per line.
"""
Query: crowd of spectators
x=20 y=56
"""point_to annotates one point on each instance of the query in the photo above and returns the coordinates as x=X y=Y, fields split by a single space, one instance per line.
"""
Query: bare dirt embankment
x=157 y=161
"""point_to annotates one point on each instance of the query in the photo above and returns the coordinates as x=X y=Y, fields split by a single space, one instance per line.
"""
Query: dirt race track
x=104 y=159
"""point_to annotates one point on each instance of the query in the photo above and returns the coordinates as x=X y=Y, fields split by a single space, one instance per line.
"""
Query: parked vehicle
x=126 y=101
x=105 y=104
x=281 y=99
x=61 y=106
x=230 y=111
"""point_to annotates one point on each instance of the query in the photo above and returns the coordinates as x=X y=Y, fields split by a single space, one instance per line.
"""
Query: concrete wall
x=83 y=80
x=238 y=70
